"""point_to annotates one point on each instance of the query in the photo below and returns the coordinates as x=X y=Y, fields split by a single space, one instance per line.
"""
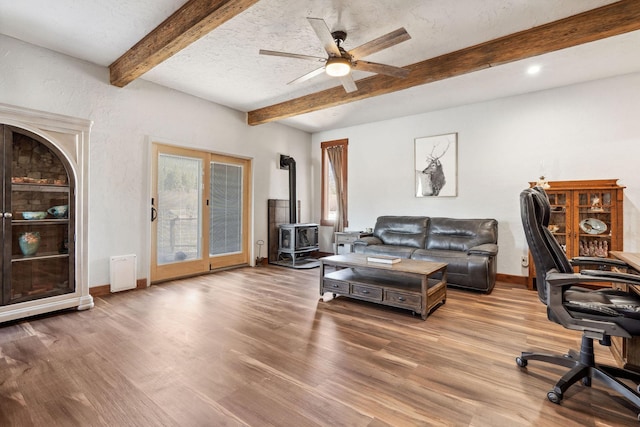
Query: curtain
x=335 y=159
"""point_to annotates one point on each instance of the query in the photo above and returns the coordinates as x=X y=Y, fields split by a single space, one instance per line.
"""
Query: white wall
x=584 y=131
x=125 y=120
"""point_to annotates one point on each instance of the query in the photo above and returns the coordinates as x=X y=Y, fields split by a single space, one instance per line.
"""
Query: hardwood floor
x=256 y=347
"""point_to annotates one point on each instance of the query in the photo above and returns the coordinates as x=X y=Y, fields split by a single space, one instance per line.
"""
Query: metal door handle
x=8 y=215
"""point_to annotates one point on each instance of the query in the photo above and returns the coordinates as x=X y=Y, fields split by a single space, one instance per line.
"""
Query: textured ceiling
x=225 y=67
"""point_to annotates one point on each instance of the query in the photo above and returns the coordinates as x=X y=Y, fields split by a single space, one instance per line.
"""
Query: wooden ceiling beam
x=607 y=21
x=195 y=19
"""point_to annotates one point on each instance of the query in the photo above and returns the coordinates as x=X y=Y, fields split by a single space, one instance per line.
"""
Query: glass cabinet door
x=38 y=221
x=560 y=220
x=595 y=219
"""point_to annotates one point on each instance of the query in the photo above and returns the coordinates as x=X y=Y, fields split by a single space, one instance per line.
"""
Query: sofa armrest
x=489 y=249
x=368 y=240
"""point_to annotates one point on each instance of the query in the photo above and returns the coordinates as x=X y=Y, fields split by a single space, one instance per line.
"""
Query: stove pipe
x=289 y=163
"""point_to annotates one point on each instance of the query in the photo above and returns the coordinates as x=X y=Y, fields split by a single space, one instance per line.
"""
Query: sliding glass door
x=200 y=212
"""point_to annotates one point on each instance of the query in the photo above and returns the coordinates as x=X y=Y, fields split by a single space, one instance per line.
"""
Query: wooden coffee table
x=415 y=285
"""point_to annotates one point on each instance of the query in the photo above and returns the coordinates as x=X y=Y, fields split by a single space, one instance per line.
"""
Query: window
x=329 y=194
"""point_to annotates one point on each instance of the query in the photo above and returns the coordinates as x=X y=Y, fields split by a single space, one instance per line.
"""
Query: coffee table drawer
x=368 y=292
x=335 y=286
x=402 y=299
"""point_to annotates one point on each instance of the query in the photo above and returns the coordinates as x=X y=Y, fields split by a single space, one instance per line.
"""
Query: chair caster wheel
x=638 y=390
x=554 y=397
x=522 y=362
x=586 y=381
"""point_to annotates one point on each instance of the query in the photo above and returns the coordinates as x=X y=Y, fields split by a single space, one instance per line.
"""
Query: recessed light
x=534 y=69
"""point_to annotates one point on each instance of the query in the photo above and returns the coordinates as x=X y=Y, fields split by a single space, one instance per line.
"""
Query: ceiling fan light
x=337 y=67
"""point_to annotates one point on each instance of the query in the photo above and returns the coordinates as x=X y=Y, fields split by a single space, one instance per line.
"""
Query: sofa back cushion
x=402 y=230
x=461 y=234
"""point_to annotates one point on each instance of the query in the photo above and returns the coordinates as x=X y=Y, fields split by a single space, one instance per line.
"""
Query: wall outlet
x=524 y=261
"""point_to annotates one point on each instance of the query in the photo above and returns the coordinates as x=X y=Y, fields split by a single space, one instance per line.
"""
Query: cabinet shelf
x=53 y=188
x=43 y=255
x=40 y=221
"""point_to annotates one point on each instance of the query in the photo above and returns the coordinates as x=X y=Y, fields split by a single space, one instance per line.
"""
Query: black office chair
x=599 y=314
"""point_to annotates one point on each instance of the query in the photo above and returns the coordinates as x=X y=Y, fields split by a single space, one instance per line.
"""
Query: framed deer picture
x=436 y=166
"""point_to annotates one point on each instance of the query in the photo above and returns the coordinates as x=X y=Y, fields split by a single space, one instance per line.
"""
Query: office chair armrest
x=609 y=275
x=590 y=276
x=607 y=262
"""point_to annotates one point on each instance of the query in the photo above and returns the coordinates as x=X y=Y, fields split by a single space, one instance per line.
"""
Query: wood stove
x=297 y=241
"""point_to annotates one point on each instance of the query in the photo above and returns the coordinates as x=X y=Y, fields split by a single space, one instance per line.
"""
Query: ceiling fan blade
x=388 y=70
x=348 y=83
x=323 y=33
x=307 y=76
x=382 y=42
x=291 y=55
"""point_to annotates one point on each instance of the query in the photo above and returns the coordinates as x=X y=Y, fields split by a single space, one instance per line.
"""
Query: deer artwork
x=432 y=177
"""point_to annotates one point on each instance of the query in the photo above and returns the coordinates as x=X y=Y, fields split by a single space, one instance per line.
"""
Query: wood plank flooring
x=256 y=347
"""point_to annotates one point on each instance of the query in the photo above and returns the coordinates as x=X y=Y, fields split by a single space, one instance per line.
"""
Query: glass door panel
x=595 y=219
x=179 y=209
x=38 y=234
x=177 y=213
x=225 y=212
x=229 y=209
x=559 y=222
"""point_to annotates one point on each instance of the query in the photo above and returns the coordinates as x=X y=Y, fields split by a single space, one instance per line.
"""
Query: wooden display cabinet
x=44 y=180
x=38 y=182
x=586 y=218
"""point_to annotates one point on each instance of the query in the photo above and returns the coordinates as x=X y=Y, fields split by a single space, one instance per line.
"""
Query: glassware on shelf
x=29 y=242
x=594 y=249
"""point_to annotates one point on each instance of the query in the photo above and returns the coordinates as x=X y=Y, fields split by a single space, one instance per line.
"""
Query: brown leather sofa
x=468 y=246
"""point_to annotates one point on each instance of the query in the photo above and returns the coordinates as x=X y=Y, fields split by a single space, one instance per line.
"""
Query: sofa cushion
x=460 y=234
x=408 y=231
x=464 y=270
x=457 y=262
x=387 y=250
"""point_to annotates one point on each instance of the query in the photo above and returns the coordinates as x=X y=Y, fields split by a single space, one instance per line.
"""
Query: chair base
x=583 y=368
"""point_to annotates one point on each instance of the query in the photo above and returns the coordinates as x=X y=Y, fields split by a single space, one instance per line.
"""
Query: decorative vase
x=29 y=242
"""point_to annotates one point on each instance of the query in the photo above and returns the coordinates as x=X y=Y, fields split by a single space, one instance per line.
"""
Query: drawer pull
x=402 y=299
x=335 y=285
x=364 y=291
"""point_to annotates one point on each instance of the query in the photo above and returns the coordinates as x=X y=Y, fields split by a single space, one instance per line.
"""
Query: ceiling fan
x=341 y=62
